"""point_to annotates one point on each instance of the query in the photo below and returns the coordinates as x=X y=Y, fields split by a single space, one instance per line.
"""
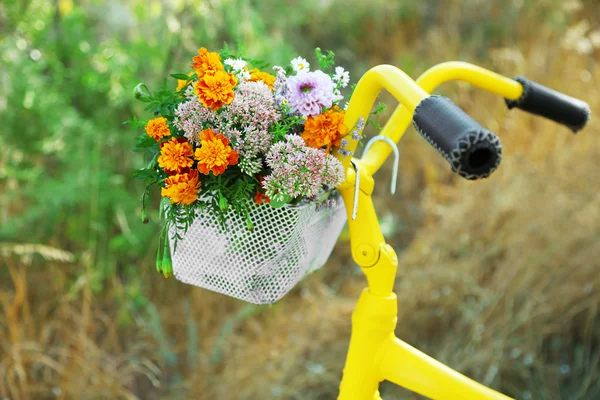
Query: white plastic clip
x=356 y=189
x=396 y=157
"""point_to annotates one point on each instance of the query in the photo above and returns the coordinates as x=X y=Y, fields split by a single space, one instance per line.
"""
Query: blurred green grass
x=498 y=278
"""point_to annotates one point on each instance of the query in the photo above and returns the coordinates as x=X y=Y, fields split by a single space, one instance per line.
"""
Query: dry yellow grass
x=499 y=279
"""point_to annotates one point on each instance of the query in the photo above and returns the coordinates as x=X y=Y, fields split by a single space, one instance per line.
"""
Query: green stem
x=152 y=163
x=249 y=223
x=145 y=202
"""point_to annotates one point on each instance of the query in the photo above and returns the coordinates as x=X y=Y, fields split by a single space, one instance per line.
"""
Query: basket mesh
x=262 y=265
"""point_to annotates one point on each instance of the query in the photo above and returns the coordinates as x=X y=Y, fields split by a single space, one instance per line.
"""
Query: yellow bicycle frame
x=374 y=353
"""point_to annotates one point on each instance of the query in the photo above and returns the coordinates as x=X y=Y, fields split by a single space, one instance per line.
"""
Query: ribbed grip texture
x=472 y=151
x=548 y=103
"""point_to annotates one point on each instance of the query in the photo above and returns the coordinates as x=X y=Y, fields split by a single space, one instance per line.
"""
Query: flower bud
x=223 y=205
x=167 y=263
x=141 y=91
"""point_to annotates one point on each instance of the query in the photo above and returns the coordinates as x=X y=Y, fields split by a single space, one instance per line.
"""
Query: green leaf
x=144 y=173
x=183 y=77
x=259 y=64
x=145 y=141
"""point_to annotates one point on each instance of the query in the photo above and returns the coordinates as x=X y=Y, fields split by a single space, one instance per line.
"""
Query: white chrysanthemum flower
x=243 y=75
x=341 y=76
x=300 y=64
x=237 y=64
x=346 y=106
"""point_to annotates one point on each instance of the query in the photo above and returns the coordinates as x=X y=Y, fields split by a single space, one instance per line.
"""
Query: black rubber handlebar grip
x=548 y=103
x=472 y=151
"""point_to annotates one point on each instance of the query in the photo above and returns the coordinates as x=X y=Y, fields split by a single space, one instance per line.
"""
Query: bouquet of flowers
x=235 y=144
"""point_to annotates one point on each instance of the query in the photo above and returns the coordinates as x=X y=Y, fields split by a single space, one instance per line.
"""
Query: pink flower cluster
x=245 y=122
x=191 y=118
x=298 y=170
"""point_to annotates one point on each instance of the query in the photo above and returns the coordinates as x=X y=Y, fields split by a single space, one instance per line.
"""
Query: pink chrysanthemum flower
x=298 y=170
x=310 y=92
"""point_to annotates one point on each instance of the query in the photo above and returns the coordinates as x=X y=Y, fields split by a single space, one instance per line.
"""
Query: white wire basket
x=261 y=265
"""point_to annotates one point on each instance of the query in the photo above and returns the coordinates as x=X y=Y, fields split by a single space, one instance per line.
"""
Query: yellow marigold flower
x=215 y=89
x=215 y=154
x=325 y=129
x=181 y=83
x=182 y=188
x=268 y=79
x=175 y=156
x=206 y=62
x=158 y=128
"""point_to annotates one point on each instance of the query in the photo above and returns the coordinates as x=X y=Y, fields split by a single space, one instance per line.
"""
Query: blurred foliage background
x=498 y=279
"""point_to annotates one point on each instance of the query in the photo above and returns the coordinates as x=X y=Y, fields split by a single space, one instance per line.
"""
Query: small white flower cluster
x=238 y=66
x=341 y=77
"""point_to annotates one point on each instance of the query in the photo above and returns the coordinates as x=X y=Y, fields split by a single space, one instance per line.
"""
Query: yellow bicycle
x=374 y=353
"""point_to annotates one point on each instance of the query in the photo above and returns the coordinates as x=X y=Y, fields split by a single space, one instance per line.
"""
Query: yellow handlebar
x=388 y=77
x=432 y=78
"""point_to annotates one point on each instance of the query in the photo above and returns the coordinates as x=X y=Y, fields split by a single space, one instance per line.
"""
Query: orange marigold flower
x=215 y=89
x=175 y=156
x=259 y=197
x=215 y=154
x=268 y=79
x=158 y=128
x=325 y=129
x=182 y=188
x=206 y=62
